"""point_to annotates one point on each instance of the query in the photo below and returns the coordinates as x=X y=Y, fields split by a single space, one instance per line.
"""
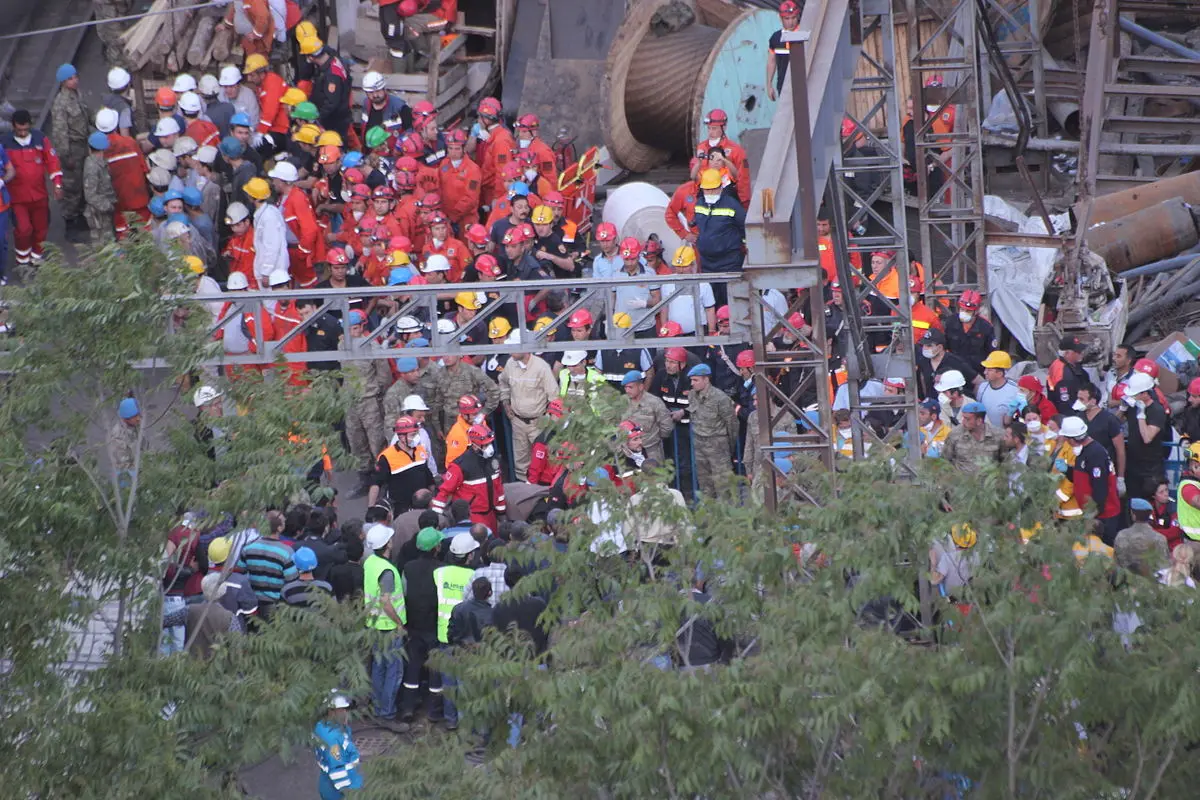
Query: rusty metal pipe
x=1150 y=234
x=1121 y=204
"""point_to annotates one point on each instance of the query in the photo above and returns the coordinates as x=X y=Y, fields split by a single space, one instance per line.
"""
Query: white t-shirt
x=684 y=308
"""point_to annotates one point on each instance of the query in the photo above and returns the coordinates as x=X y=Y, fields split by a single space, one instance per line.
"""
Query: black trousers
x=417 y=648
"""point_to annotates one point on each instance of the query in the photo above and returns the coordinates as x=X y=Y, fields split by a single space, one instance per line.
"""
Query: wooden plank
x=475 y=30
x=447 y=52
x=453 y=109
x=451 y=89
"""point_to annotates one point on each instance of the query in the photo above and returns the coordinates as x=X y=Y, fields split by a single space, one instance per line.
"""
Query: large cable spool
x=669 y=62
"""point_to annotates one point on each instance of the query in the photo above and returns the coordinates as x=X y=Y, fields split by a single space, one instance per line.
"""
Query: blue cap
x=129 y=408
x=192 y=196
x=232 y=147
x=157 y=206
x=974 y=407
x=420 y=341
x=599 y=475
x=65 y=72
x=633 y=376
x=98 y=140
x=1140 y=504
x=357 y=318
x=700 y=369
x=519 y=189
x=783 y=464
x=352 y=159
x=407 y=364
x=399 y=276
x=932 y=406
x=241 y=119
x=305 y=559
x=179 y=217
x=172 y=194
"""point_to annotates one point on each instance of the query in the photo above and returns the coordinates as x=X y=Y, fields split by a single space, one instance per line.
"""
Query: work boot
x=364 y=485
x=392 y=724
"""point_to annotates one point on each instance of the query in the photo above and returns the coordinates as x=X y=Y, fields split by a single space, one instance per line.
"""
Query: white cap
x=184 y=146
x=189 y=103
x=206 y=394
x=230 y=76
x=164 y=158
x=1072 y=428
x=407 y=324
x=284 y=171
x=950 y=379
x=278 y=277
x=107 y=120
x=573 y=357
x=339 y=700
x=236 y=282
x=167 y=126
x=159 y=176
x=118 y=79
x=446 y=326
x=1137 y=383
x=437 y=263
x=183 y=83
x=462 y=544
x=208 y=85
x=414 y=402
x=177 y=229
x=374 y=82
x=236 y=212
x=379 y=535
x=206 y=154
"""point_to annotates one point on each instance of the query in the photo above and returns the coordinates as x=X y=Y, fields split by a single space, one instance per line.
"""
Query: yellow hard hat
x=542 y=215
x=499 y=328
x=468 y=300
x=963 y=535
x=685 y=256
x=194 y=263
x=541 y=324
x=307 y=134
x=257 y=188
x=710 y=179
x=310 y=45
x=254 y=62
x=305 y=30
x=622 y=320
x=1194 y=451
x=329 y=137
x=293 y=96
x=399 y=258
x=998 y=359
x=218 y=551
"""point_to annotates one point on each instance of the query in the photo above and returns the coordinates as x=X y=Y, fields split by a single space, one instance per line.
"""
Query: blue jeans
x=387 y=664
x=449 y=684
x=5 y=224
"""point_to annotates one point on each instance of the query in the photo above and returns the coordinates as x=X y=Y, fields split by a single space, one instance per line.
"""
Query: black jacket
x=420 y=595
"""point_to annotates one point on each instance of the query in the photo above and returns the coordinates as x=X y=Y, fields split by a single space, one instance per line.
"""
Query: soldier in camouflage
x=72 y=122
x=457 y=378
x=99 y=197
x=714 y=430
x=367 y=380
x=110 y=33
x=648 y=411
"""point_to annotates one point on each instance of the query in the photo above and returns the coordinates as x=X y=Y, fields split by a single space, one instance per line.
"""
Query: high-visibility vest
x=451 y=584
x=399 y=461
x=373 y=569
x=593 y=377
x=1189 y=516
x=1068 y=506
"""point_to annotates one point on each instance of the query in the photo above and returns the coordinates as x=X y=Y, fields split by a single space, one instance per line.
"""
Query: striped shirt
x=268 y=564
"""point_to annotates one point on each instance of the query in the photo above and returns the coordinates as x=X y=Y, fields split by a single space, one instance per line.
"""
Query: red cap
x=477 y=234
x=487 y=265
x=1147 y=366
x=745 y=359
x=677 y=354
x=1194 y=386
x=884 y=254
x=424 y=109
x=430 y=200
x=555 y=408
x=383 y=191
x=970 y=299
x=337 y=255
x=606 y=232
x=480 y=435
x=797 y=320
x=554 y=199
x=1031 y=383
x=400 y=243
x=581 y=319
x=672 y=328
x=630 y=247
x=716 y=117
x=723 y=312
x=528 y=121
x=469 y=404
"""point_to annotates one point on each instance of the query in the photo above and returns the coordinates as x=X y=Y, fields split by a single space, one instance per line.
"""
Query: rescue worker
x=934 y=359
x=337 y=756
x=309 y=245
x=526 y=388
x=271 y=132
x=1066 y=374
x=1092 y=477
x=402 y=469
x=1187 y=496
x=127 y=171
x=71 y=122
x=34 y=159
x=459 y=182
x=470 y=412
x=270 y=231
x=720 y=224
x=383 y=109
x=253 y=22
x=577 y=379
x=366 y=382
x=495 y=147
x=445 y=247
x=969 y=335
x=527 y=139
x=779 y=50
x=100 y=200
x=240 y=249
x=331 y=86
x=243 y=98
x=475 y=477
x=734 y=159
x=239 y=334
x=1149 y=433
x=544 y=470
x=714 y=430
x=420 y=601
x=649 y=413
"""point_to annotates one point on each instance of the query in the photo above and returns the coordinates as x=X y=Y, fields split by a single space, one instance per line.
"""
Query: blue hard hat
x=129 y=408
x=357 y=318
x=192 y=196
x=156 y=206
x=518 y=189
x=974 y=407
x=420 y=341
x=399 y=276
x=599 y=475
x=633 y=376
x=352 y=159
x=179 y=217
x=232 y=147
x=700 y=369
x=98 y=140
x=65 y=72
x=241 y=119
x=305 y=559
x=407 y=364
x=172 y=194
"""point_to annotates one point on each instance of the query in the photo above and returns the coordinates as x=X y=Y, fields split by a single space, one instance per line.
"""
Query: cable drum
x=659 y=89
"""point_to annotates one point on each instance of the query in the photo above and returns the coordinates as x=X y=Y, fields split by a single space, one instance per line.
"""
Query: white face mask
x=357 y=215
x=489 y=451
x=927 y=352
x=1076 y=449
x=456 y=164
x=478 y=418
x=347 y=195
x=712 y=198
x=944 y=400
x=1033 y=426
x=524 y=143
x=413 y=440
x=530 y=174
x=713 y=142
x=1079 y=405
x=1051 y=434
x=965 y=316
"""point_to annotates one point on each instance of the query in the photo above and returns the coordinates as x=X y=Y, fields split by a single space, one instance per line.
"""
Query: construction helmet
x=716 y=117
x=472 y=301
x=374 y=82
x=310 y=46
x=423 y=109
x=710 y=179
x=405 y=426
x=963 y=535
x=480 y=435
x=622 y=320
x=970 y=300
x=529 y=122
x=1146 y=366
x=165 y=98
x=631 y=428
x=254 y=62
x=606 y=232
x=997 y=359
x=489 y=107
x=306 y=134
x=329 y=137
x=542 y=215
x=293 y=96
x=499 y=328
x=257 y=188
x=630 y=247
x=469 y=404
x=306 y=111
x=305 y=30
x=399 y=258
x=376 y=136
x=554 y=200
x=788 y=8
x=194 y=264
x=118 y=79
x=1194 y=451
x=476 y=234
x=745 y=360
x=218 y=551
x=580 y=319
x=685 y=256
x=555 y=408
x=487 y=266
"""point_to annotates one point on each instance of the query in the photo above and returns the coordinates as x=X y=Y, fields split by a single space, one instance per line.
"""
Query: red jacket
x=128 y=170
x=497 y=152
x=683 y=202
x=310 y=246
x=459 y=187
x=34 y=162
x=1041 y=404
x=455 y=252
x=203 y=131
x=477 y=480
x=543 y=470
x=272 y=114
x=240 y=252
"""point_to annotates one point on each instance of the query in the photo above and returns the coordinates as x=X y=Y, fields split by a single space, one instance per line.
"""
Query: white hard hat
x=177 y=229
x=118 y=79
x=167 y=126
x=1073 y=428
x=159 y=176
x=339 y=700
x=208 y=85
x=230 y=76
x=1137 y=383
x=189 y=103
x=206 y=394
x=206 y=154
x=950 y=379
x=164 y=158
x=514 y=336
x=437 y=263
x=374 y=82
x=278 y=277
x=107 y=120
x=237 y=281
x=462 y=544
x=184 y=146
x=446 y=326
x=573 y=357
x=236 y=212
x=379 y=535
x=284 y=171
x=183 y=83
x=414 y=402
x=407 y=324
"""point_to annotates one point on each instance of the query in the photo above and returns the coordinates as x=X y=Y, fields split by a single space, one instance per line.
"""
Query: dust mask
x=1076 y=449
x=927 y=352
x=965 y=316
x=413 y=440
x=712 y=198
x=530 y=174
x=1079 y=405
x=944 y=400
x=489 y=451
x=713 y=142
x=524 y=143
x=1033 y=425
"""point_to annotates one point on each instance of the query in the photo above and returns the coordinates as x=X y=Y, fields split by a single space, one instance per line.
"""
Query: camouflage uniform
x=393 y=400
x=110 y=33
x=71 y=122
x=366 y=383
x=99 y=198
x=969 y=454
x=714 y=433
x=651 y=413
x=122 y=444
x=454 y=382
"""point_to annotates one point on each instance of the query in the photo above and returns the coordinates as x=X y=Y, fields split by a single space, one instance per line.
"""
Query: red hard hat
x=653 y=246
x=527 y=232
x=456 y=136
x=555 y=408
x=489 y=107
x=797 y=320
x=407 y=164
x=789 y=8
x=745 y=359
x=405 y=426
x=480 y=435
x=1147 y=366
x=382 y=233
x=1031 y=383
x=528 y=121
x=527 y=158
x=438 y=218
x=383 y=191
x=469 y=404
x=933 y=81
x=487 y=265
x=915 y=284
x=631 y=428
x=361 y=191
x=424 y=109
x=1118 y=393
x=400 y=243
x=581 y=319
x=510 y=171
x=606 y=232
x=477 y=234
x=884 y=254
x=970 y=299
x=723 y=312
x=671 y=329
x=404 y=180
x=353 y=176
x=554 y=199
x=847 y=128
x=514 y=235
x=716 y=117
x=337 y=255
x=677 y=354
x=165 y=97
x=411 y=146
x=431 y=200
x=630 y=247
x=1194 y=386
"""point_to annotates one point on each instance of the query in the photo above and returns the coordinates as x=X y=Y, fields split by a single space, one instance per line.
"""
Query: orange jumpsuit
x=260 y=39
x=310 y=245
x=683 y=203
x=272 y=114
x=459 y=187
x=736 y=156
x=455 y=251
x=499 y=151
x=428 y=179
x=128 y=170
x=456 y=440
x=240 y=252
x=375 y=268
x=204 y=132
x=405 y=216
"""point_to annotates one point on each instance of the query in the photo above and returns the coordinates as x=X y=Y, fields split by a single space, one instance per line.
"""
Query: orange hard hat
x=165 y=97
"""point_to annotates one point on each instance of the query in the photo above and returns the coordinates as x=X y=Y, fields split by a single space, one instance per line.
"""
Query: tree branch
x=1162 y=768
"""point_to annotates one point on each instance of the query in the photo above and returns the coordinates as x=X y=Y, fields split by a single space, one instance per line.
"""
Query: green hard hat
x=428 y=539
x=305 y=111
x=376 y=136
